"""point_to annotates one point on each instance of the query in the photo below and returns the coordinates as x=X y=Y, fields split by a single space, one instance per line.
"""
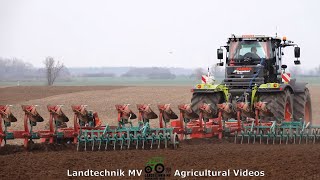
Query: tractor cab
x=248 y=52
x=252 y=60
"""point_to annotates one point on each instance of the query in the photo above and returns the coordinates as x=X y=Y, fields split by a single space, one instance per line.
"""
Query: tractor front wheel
x=209 y=98
x=279 y=105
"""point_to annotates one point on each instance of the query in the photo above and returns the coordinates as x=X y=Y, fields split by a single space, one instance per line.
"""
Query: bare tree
x=53 y=69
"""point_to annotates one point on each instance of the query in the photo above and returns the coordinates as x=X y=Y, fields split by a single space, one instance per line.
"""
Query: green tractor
x=254 y=73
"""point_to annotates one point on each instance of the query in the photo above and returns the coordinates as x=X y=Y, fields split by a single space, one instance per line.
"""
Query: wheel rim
x=148 y=169
x=287 y=113
x=307 y=112
x=159 y=168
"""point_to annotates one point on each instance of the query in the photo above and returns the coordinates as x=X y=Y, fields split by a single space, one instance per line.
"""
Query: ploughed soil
x=52 y=161
x=11 y=95
x=277 y=161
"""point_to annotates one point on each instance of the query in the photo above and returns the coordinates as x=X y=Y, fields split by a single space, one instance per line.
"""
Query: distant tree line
x=13 y=69
x=98 y=75
x=151 y=73
x=16 y=69
x=299 y=71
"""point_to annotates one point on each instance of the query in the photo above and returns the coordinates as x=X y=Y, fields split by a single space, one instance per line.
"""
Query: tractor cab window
x=249 y=50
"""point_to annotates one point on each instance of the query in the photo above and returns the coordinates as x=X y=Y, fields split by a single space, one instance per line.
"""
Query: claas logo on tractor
x=241 y=70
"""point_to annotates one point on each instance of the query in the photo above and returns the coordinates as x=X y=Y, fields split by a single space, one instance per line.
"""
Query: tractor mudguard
x=298 y=87
x=286 y=86
x=211 y=88
x=275 y=87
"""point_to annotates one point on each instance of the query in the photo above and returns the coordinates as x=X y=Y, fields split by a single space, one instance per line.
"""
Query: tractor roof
x=253 y=37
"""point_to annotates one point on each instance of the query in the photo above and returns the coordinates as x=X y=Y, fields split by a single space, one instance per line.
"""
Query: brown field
x=278 y=161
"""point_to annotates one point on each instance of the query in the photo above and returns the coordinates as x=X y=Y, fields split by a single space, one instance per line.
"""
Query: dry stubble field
x=278 y=161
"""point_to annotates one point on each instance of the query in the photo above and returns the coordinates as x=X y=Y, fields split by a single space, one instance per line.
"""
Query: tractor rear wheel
x=302 y=106
x=280 y=105
x=209 y=98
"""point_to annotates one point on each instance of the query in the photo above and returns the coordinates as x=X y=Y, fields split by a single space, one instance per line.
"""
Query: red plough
x=31 y=118
x=208 y=123
x=197 y=126
x=58 y=130
x=205 y=125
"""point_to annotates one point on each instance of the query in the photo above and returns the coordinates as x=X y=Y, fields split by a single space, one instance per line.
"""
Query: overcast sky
x=168 y=33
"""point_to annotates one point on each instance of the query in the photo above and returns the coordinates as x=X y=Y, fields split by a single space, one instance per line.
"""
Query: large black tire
x=279 y=104
x=209 y=98
x=302 y=106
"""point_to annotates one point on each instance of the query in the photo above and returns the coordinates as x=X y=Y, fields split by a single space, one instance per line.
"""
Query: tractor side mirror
x=220 y=53
x=297 y=62
x=220 y=64
x=296 y=52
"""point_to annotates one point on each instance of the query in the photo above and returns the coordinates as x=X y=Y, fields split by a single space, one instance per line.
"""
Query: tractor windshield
x=252 y=49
